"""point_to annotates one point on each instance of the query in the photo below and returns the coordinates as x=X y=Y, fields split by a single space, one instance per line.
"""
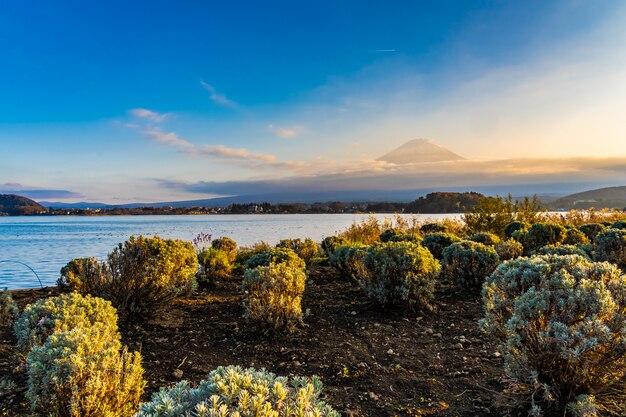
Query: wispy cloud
x=284 y=132
x=217 y=98
x=170 y=138
x=37 y=193
x=148 y=114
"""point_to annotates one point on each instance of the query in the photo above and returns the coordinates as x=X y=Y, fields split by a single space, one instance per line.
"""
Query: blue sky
x=140 y=101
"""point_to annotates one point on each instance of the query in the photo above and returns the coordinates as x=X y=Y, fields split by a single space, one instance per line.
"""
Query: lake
x=46 y=244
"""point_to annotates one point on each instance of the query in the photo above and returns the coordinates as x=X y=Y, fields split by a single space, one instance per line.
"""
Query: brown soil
x=372 y=362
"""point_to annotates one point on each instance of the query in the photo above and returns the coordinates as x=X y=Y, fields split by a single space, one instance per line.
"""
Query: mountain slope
x=419 y=151
x=15 y=205
x=609 y=197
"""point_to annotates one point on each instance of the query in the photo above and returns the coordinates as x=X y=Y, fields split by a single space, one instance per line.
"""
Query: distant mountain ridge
x=608 y=197
x=15 y=205
x=418 y=151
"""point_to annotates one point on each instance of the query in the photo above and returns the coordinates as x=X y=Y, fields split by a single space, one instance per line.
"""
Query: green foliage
x=60 y=314
x=245 y=253
x=468 y=263
x=141 y=276
x=8 y=309
x=82 y=372
x=540 y=235
x=610 y=246
x=591 y=230
x=620 y=224
x=444 y=202
x=227 y=245
x=331 y=243
x=406 y=237
x=486 y=238
x=306 y=249
x=513 y=227
x=233 y=391
x=387 y=235
x=438 y=241
x=348 y=259
x=433 y=228
x=493 y=214
x=273 y=295
x=574 y=236
x=399 y=273
x=509 y=249
x=275 y=256
x=562 y=325
x=562 y=250
x=214 y=264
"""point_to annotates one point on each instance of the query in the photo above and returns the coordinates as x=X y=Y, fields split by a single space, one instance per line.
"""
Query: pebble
x=390 y=352
x=428 y=331
x=353 y=313
x=437 y=335
x=497 y=354
x=458 y=346
x=178 y=374
x=373 y=396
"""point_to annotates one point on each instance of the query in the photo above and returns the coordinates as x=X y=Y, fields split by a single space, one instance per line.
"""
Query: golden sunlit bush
x=305 y=249
x=348 y=260
x=214 y=264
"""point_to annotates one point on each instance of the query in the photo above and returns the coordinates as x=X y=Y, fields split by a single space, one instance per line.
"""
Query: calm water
x=47 y=243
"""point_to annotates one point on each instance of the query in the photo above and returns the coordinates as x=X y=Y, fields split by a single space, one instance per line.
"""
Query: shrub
x=141 y=276
x=562 y=325
x=82 y=373
x=509 y=249
x=387 y=235
x=245 y=253
x=331 y=243
x=620 y=224
x=574 y=236
x=511 y=228
x=610 y=246
x=233 y=391
x=84 y=275
x=306 y=249
x=437 y=242
x=591 y=230
x=275 y=256
x=562 y=250
x=227 y=245
x=540 y=235
x=8 y=309
x=468 y=263
x=433 y=228
x=588 y=248
x=486 y=238
x=348 y=260
x=407 y=237
x=214 y=264
x=273 y=295
x=399 y=273
x=59 y=314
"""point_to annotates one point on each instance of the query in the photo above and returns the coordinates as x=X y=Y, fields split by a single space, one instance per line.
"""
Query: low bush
x=306 y=249
x=573 y=236
x=275 y=256
x=406 y=237
x=434 y=228
x=468 y=263
x=509 y=249
x=562 y=250
x=348 y=260
x=620 y=224
x=610 y=246
x=513 y=227
x=486 y=238
x=273 y=295
x=399 y=273
x=591 y=230
x=214 y=264
x=540 y=235
x=437 y=242
x=331 y=243
x=388 y=234
x=142 y=275
x=233 y=391
x=227 y=245
x=60 y=314
x=245 y=253
x=8 y=309
x=82 y=372
x=562 y=326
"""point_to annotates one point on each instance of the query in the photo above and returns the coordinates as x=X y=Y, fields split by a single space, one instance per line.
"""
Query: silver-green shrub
x=591 y=230
x=60 y=314
x=399 y=273
x=574 y=236
x=486 y=238
x=620 y=224
x=540 y=235
x=306 y=249
x=468 y=263
x=610 y=246
x=348 y=260
x=236 y=392
x=436 y=242
x=562 y=250
x=515 y=228
x=273 y=295
x=331 y=243
x=388 y=234
x=509 y=249
x=562 y=324
x=83 y=372
x=276 y=256
x=8 y=309
x=406 y=237
x=85 y=275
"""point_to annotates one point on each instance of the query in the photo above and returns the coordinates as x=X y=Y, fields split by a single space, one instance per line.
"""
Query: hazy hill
x=609 y=197
x=418 y=151
x=445 y=202
x=15 y=205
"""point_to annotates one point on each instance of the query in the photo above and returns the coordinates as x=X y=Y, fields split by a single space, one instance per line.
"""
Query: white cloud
x=170 y=138
x=284 y=132
x=148 y=114
x=217 y=98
